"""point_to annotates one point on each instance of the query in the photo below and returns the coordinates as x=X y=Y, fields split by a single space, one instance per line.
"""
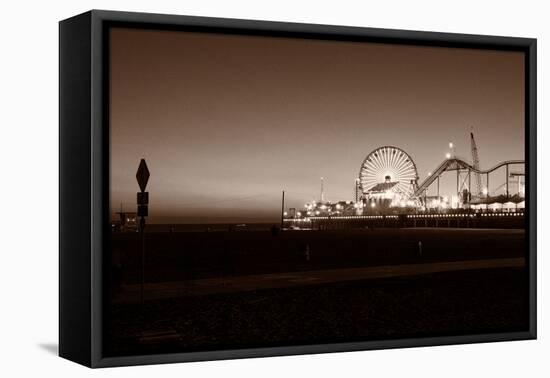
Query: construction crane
x=475 y=163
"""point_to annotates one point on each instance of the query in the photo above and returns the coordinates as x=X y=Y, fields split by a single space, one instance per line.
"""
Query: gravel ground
x=454 y=303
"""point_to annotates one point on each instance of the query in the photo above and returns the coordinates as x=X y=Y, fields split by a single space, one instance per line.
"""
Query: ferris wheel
x=389 y=164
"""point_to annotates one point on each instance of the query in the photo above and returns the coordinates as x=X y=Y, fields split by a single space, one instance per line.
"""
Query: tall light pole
x=322 y=190
x=357 y=183
x=282 y=209
x=452 y=147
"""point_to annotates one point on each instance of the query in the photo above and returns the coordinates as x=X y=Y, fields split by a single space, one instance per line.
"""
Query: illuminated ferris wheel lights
x=391 y=166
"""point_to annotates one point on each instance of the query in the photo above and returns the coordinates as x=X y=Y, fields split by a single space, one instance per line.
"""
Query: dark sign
x=143 y=211
x=143 y=198
x=142 y=175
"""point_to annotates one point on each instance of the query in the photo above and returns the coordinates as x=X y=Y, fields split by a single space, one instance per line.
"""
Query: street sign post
x=142 y=177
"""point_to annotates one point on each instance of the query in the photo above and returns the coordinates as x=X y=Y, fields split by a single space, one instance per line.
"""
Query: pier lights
x=448 y=155
x=373 y=204
x=485 y=191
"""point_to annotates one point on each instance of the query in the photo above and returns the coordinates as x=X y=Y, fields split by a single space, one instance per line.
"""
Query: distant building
x=382 y=196
x=127 y=222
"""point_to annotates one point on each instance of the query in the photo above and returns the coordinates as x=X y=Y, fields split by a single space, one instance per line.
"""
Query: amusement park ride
x=388 y=187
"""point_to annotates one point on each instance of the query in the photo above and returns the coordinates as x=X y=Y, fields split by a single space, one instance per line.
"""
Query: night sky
x=227 y=122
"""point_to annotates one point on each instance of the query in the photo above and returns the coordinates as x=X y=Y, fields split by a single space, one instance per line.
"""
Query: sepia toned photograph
x=267 y=191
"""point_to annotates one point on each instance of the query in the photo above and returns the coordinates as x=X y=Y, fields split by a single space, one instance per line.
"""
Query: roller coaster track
x=455 y=164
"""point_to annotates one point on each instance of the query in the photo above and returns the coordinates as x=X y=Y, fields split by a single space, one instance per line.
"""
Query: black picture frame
x=84 y=178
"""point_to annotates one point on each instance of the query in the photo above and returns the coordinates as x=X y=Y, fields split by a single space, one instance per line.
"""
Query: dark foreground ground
x=194 y=255
x=454 y=303
x=446 y=303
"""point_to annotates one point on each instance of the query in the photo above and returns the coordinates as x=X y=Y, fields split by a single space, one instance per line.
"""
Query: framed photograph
x=234 y=188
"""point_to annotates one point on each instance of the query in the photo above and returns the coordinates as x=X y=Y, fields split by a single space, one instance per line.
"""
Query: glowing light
x=429 y=173
x=299 y=214
x=455 y=202
x=485 y=191
x=285 y=213
x=373 y=204
x=448 y=155
x=451 y=145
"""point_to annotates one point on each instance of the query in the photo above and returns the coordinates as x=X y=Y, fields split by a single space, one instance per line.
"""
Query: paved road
x=164 y=290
